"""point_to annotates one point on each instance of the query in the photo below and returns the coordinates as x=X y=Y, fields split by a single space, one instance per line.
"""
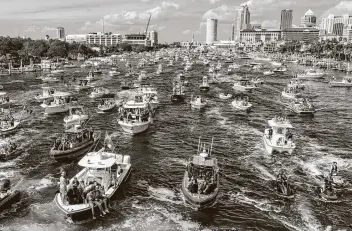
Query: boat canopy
x=133 y=104
x=75 y=129
x=207 y=162
x=100 y=159
x=61 y=94
x=282 y=124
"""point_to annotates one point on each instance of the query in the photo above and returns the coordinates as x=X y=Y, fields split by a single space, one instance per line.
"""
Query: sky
x=175 y=20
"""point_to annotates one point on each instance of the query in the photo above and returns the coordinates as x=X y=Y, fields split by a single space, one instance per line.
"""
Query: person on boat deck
x=190 y=169
x=281 y=177
x=63 y=186
x=91 y=198
x=99 y=194
x=210 y=186
x=327 y=187
x=333 y=171
x=193 y=186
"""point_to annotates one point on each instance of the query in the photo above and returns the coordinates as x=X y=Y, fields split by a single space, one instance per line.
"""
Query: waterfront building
x=153 y=36
x=212 y=31
x=338 y=29
x=100 y=39
x=347 y=33
x=327 y=24
x=286 y=19
x=242 y=21
x=252 y=36
x=137 y=39
x=309 y=19
x=306 y=34
x=60 y=33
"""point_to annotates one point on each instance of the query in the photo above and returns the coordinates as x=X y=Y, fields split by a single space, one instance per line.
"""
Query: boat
x=107 y=104
x=278 y=138
x=284 y=189
x=50 y=79
x=57 y=71
x=223 y=96
x=200 y=184
x=61 y=103
x=46 y=94
x=197 y=102
x=77 y=115
x=135 y=116
x=302 y=106
x=268 y=72
x=91 y=76
x=257 y=81
x=178 y=92
x=205 y=85
x=345 y=82
x=150 y=95
x=243 y=84
x=106 y=168
x=242 y=103
x=8 y=196
x=99 y=92
x=280 y=69
x=8 y=124
x=276 y=64
x=69 y=65
x=114 y=72
x=84 y=84
x=291 y=92
x=73 y=143
x=97 y=71
x=4 y=99
x=296 y=85
x=9 y=150
x=142 y=76
x=310 y=74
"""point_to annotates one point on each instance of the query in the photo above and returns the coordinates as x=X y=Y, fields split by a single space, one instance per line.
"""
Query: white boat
x=50 y=79
x=8 y=124
x=291 y=92
x=205 y=85
x=4 y=99
x=58 y=71
x=46 y=94
x=107 y=104
x=280 y=69
x=223 y=96
x=99 y=92
x=296 y=84
x=278 y=138
x=257 y=81
x=311 y=74
x=302 y=106
x=142 y=76
x=114 y=72
x=84 y=84
x=276 y=64
x=268 y=72
x=150 y=95
x=62 y=103
x=243 y=85
x=242 y=103
x=135 y=116
x=108 y=169
x=69 y=65
x=197 y=102
x=77 y=115
x=345 y=82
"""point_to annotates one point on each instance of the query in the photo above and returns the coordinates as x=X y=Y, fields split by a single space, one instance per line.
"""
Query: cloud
x=344 y=7
x=224 y=13
x=31 y=29
x=46 y=28
x=186 y=32
x=259 y=7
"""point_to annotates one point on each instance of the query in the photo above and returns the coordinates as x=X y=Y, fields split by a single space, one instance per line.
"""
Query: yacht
x=310 y=74
x=77 y=115
x=345 y=82
x=243 y=85
x=197 y=102
x=205 y=85
x=61 y=103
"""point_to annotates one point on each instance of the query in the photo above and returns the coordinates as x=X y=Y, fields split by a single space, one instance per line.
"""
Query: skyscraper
x=309 y=19
x=286 y=19
x=246 y=24
x=153 y=36
x=212 y=31
x=60 y=32
x=242 y=21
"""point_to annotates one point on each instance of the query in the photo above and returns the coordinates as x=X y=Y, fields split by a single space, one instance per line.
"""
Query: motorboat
x=302 y=106
x=257 y=81
x=8 y=124
x=205 y=84
x=200 y=184
x=178 y=92
x=296 y=84
x=57 y=71
x=69 y=65
x=91 y=76
x=50 y=78
x=77 y=115
x=61 y=103
x=243 y=84
x=4 y=99
x=242 y=103
x=107 y=104
x=268 y=72
x=46 y=94
x=9 y=150
x=150 y=95
x=284 y=189
x=135 y=116
x=278 y=138
x=84 y=84
x=97 y=71
x=99 y=92
x=114 y=72
x=223 y=96
x=280 y=69
x=73 y=143
x=310 y=74
x=197 y=102
x=8 y=196
x=142 y=76
x=345 y=82
x=276 y=64
x=107 y=169
x=291 y=92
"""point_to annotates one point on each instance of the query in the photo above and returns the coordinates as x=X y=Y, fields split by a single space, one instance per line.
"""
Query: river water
x=151 y=200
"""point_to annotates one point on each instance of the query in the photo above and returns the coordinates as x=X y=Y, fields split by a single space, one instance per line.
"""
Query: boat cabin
x=280 y=134
x=73 y=138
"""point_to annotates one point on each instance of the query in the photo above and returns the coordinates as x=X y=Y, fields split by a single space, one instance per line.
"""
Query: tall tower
x=309 y=19
x=232 y=32
x=60 y=33
x=246 y=24
x=242 y=21
x=212 y=31
x=286 y=19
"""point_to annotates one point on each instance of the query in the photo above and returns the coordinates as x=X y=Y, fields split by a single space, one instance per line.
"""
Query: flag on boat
x=108 y=142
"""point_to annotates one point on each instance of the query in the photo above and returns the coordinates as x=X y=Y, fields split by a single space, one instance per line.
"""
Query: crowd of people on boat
x=134 y=114
x=327 y=188
x=201 y=180
x=72 y=140
x=77 y=192
x=7 y=147
x=107 y=103
x=7 y=121
x=283 y=187
x=4 y=99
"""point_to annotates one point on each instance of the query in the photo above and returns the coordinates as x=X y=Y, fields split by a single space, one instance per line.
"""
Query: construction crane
x=146 y=30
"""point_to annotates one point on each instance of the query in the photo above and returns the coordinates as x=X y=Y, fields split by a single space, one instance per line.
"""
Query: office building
x=76 y=38
x=256 y=26
x=306 y=34
x=153 y=37
x=309 y=19
x=347 y=33
x=327 y=24
x=253 y=36
x=60 y=33
x=212 y=31
x=242 y=21
x=286 y=19
x=101 y=39
x=137 y=39
x=338 y=29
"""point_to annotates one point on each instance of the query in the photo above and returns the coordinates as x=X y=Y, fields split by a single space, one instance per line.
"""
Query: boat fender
x=126 y=159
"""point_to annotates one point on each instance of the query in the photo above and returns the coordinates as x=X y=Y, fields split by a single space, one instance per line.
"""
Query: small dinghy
x=9 y=150
x=242 y=103
x=107 y=104
x=197 y=102
x=8 y=124
x=223 y=96
x=283 y=187
x=7 y=195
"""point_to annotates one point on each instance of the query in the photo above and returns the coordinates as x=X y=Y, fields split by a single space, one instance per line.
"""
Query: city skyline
x=175 y=20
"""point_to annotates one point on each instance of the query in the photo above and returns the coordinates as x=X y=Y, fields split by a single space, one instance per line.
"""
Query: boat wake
x=165 y=194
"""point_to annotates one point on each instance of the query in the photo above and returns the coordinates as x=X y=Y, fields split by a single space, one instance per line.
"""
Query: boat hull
x=11 y=155
x=177 y=98
x=57 y=109
x=72 y=153
x=134 y=128
x=270 y=149
x=340 y=84
x=10 y=130
x=10 y=199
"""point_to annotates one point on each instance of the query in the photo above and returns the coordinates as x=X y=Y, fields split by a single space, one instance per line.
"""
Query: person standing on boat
x=333 y=171
x=63 y=187
x=92 y=201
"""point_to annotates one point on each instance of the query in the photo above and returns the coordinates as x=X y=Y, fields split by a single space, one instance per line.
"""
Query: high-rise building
x=153 y=36
x=286 y=19
x=212 y=31
x=309 y=19
x=246 y=24
x=60 y=33
x=242 y=21
x=327 y=24
x=232 y=32
x=338 y=29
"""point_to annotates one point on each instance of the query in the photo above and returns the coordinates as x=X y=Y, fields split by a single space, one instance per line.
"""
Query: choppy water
x=151 y=198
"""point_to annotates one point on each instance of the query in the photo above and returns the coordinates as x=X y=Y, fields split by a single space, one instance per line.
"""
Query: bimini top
x=207 y=162
x=282 y=123
x=134 y=104
x=100 y=159
x=61 y=94
x=2 y=93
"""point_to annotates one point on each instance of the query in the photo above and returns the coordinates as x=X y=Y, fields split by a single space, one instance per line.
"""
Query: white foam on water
x=265 y=174
x=309 y=220
x=263 y=205
x=164 y=194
